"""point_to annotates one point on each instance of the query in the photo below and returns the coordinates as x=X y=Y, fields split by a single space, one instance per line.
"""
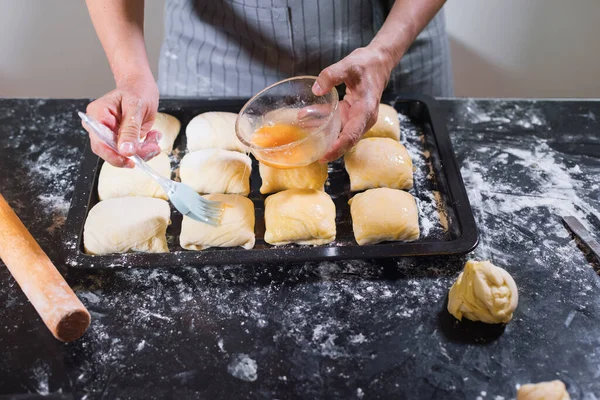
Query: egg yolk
x=278 y=135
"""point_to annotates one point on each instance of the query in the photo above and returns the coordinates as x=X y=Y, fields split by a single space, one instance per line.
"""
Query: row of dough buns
x=381 y=165
x=132 y=215
x=216 y=165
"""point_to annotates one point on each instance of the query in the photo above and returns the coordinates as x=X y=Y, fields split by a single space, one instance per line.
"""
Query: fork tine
x=208 y=211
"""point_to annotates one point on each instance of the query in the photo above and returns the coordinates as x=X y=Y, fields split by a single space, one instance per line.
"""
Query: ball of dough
x=483 y=292
x=384 y=214
x=125 y=182
x=169 y=127
x=379 y=162
x=554 y=390
x=213 y=130
x=216 y=171
x=236 y=227
x=127 y=224
x=312 y=176
x=387 y=125
x=303 y=216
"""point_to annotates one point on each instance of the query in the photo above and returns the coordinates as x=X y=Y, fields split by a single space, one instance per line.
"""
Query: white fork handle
x=165 y=183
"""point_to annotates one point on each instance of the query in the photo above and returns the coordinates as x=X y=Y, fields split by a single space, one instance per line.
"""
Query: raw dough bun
x=169 y=127
x=127 y=224
x=312 y=176
x=387 y=125
x=483 y=292
x=384 y=214
x=216 y=171
x=213 y=130
x=379 y=162
x=125 y=182
x=303 y=216
x=554 y=390
x=236 y=227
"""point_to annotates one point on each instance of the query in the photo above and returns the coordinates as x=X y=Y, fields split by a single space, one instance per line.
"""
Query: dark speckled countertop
x=351 y=329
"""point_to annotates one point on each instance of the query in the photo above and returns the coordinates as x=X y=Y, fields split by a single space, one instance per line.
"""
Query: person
x=235 y=48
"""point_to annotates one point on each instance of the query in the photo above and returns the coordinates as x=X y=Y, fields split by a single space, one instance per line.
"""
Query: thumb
x=129 y=130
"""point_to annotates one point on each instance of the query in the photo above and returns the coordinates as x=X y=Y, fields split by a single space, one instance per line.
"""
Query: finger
x=102 y=111
x=314 y=111
x=153 y=136
x=147 y=124
x=350 y=135
x=109 y=155
x=150 y=148
x=129 y=130
x=312 y=116
x=328 y=78
x=344 y=112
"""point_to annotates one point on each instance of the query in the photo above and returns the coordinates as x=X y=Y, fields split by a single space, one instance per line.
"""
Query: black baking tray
x=439 y=190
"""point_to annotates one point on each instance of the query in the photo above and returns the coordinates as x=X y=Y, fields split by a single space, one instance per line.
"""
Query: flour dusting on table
x=371 y=328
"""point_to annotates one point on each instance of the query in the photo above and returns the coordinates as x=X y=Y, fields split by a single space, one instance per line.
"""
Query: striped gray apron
x=235 y=48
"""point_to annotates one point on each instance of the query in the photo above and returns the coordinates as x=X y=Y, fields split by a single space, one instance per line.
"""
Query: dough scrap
x=312 y=176
x=169 y=127
x=126 y=182
x=127 y=224
x=483 y=292
x=379 y=162
x=553 y=390
x=387 y=125
x=236 y=227
x=216 y=171
x=384 y=214
x=213 y=130
x=303 y=216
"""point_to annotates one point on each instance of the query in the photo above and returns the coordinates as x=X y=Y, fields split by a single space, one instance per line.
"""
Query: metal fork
x=184 y=198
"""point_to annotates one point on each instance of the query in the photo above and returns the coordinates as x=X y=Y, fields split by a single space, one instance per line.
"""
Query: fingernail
x=151 y=155
x=129 y=164
x=127 y=148
x=317 y=88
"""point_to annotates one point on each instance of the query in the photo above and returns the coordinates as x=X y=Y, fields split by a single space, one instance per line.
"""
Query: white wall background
x=525 y=48
x=48 y=48
x=500 y=48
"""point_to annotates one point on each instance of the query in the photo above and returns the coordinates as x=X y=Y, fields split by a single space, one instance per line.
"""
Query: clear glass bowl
x=287 y=126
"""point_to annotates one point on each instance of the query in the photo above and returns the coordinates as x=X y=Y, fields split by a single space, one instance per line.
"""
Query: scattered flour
x=499 y=115
x=243 y=367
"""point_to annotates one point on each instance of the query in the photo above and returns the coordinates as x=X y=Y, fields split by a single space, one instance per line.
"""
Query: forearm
x=119 y=25
x=402 y=26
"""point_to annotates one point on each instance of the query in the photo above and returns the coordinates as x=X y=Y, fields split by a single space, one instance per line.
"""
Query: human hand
x=129 y=112
x=365 y=72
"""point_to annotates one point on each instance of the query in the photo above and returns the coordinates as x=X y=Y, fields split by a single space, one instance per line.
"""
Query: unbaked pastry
x=213 y=130
x=483 y=292
x=384 y=214
x=169 y=127
x=236 y=227
x=303 y=216
x=379 y=162
x=553 y=390
x=216 y=171
x=387 y=125
x=312 y=176
x=127 y=224
x=125 y=182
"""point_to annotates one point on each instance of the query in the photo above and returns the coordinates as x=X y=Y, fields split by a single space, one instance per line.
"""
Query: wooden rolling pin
x=60 y=309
